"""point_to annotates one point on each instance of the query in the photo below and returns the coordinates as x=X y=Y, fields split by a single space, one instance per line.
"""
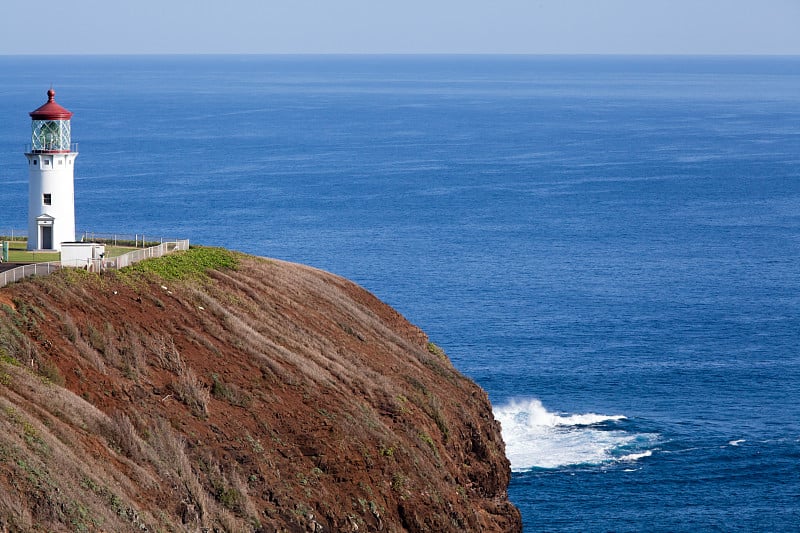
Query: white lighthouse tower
x=51 y=186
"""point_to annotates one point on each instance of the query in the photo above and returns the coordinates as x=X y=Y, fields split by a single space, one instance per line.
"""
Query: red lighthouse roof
x=51 y=110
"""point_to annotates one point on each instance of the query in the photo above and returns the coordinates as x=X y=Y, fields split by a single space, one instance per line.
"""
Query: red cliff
x=242 y=394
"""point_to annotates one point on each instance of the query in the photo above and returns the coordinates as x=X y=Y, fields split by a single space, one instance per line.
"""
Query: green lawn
x=18 y=254
x=116 y=251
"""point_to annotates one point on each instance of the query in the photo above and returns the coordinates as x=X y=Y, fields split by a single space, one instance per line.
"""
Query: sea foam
x=538 y=438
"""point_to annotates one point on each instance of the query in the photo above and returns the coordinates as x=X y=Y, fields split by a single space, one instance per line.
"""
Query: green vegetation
x=229 y=392
x=5 y=358
x=399 y=482
x=387 y=451
x=427 y=439
x=430 y=405
x=18 y=254
x=116 y=251
x=436 y=350
x=113 y=501
x=229 y=497
x=192 y=264
x=255 y=445
x=50 y=372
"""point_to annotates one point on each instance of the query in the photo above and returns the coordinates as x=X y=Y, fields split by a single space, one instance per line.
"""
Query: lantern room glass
x=50 y=135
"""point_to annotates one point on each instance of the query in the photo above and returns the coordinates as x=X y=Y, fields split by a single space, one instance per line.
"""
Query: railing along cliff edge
x=94 y=265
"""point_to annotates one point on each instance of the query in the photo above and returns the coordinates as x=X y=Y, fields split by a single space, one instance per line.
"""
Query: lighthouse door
x=47 y=237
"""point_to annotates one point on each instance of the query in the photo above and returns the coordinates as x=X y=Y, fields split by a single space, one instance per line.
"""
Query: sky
x=49 y=27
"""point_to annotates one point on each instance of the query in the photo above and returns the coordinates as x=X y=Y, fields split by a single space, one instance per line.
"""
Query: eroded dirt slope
x=271 y=397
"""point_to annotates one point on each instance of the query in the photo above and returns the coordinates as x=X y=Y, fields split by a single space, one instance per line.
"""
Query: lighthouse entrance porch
x=43 y=237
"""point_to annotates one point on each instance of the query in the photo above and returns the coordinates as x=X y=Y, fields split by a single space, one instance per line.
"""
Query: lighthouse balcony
x=53 y=148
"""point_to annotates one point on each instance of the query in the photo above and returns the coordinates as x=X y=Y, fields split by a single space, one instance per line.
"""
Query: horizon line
x=404 y=54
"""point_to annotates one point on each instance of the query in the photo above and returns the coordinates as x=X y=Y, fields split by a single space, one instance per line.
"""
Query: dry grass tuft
x=171 y=452
x=123 y=435
x=69 y=327
x=132 y=350
x=188 y=387
x=175 y=462
x=230 y=392
x=165 y=353
x=91 y=355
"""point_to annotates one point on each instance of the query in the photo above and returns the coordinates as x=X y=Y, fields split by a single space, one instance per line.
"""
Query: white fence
x=35 y=269
x=96 y=265
x=138 y=255
x=121 y=239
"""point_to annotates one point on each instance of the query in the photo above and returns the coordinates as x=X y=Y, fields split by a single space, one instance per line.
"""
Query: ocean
x=608 y=245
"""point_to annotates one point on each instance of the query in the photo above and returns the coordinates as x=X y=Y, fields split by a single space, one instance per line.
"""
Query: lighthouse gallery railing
x=40 y=269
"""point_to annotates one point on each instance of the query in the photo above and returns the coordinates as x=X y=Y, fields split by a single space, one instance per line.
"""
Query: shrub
x=69 y=327
x=96 y=340
x=229 y=392
x=5 y=358
x=190 y=390
x=51 y=372
x=230 y=497
x=399 y=482
x=123 y=434
x=436 y=350
x=192 y=264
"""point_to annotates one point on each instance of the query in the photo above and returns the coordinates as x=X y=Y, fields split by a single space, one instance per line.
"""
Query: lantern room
x=50 y=127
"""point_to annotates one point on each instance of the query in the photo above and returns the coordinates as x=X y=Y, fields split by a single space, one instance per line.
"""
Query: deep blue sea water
x=609 y=246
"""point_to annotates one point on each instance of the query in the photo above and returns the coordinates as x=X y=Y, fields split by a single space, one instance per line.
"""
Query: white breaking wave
x=537 y=438
x=636 y=456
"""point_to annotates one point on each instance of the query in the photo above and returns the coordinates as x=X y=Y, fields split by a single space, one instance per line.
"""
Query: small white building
x=51 y=184
x=82 y=254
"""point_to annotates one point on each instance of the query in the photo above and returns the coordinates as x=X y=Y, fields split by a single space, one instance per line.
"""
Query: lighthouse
x=51 y=184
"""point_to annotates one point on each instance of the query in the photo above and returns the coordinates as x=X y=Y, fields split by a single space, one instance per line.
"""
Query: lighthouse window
x=47 y=199
x=60 y=162
x=34 y=161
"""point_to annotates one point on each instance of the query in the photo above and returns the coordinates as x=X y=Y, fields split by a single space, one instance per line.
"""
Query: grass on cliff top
x=192 y=264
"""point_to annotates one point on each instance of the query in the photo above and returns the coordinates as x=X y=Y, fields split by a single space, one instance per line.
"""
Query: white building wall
x=81 y=254
x=51 y=174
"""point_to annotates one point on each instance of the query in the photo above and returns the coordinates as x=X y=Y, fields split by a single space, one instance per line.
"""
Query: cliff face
x=267 y=396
